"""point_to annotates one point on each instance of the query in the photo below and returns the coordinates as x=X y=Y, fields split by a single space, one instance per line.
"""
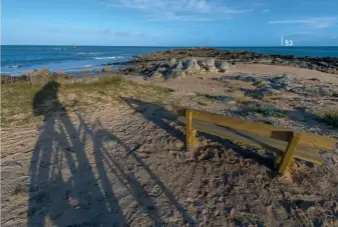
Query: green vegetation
x=208 y=96
x=17 y=99
x=264 y=110
x=329 y=117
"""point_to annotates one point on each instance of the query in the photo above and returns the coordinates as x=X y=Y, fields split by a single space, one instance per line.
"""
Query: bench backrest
x=305 y=140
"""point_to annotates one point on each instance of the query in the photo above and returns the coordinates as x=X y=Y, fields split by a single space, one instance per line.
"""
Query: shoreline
x=322 y=64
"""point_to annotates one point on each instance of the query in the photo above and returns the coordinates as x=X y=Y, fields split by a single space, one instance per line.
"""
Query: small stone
x=141 y=148
x=179 y=144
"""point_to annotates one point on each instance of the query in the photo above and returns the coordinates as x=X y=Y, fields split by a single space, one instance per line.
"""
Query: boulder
x=191 y=65
x=106 y=69
x=173 y=62
x=223 y=66
x=179 y=65
x=210 y=65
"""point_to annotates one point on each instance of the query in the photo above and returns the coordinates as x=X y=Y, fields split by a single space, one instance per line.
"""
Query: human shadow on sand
x=121 y=169
x=163 y=118
x=64 y=191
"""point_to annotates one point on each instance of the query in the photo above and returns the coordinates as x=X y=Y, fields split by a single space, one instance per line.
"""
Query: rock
x=106 y=69
x=178 y=144
x=89 y=70
x=223 y=66
x=210 y=65
x=246 y=78
x=172 y=62
x=192 y=65
x=281 y=82
x=179 y=65
x=320 y=91
x=156 y=74
x=42 y=72
x=265 y=91
x=325 y=91
x=331 y=70
x=226 y=99
x=174 y=73
x=59 y=73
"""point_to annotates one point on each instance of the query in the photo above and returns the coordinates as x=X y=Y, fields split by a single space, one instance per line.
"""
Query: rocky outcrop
x=178 y=68
x=323 y=64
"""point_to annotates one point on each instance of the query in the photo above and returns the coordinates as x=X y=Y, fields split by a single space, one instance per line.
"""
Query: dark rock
x=246 y=78
x=265 y=91
x=281 y=82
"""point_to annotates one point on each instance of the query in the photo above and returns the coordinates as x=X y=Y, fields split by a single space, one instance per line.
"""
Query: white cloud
x=179 y=10
x=314 y=23
x=265 y=11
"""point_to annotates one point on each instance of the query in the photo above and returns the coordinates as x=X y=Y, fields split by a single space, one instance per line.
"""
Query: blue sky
x=169 y=22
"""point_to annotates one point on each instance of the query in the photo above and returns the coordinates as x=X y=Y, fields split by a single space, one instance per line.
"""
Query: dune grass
x=17 y=98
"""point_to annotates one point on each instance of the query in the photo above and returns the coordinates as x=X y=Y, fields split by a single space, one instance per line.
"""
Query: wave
x=112 y=57
x=90 y=53
x=14 y=66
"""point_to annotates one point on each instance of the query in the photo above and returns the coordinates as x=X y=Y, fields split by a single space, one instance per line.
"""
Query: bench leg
x=190 y=132
x=288 y=157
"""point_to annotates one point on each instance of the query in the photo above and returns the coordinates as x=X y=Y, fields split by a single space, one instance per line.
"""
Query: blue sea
x=19 y=59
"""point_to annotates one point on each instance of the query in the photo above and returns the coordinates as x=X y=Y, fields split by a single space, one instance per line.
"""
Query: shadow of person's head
x=46 y=99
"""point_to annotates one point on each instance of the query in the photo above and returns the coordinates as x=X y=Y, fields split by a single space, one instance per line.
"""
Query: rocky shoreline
x=322 y=64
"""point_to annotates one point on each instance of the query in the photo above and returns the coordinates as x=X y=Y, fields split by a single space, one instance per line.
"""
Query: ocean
x=16 y=60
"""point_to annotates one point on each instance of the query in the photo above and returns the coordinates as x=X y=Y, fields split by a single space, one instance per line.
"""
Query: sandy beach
x=109 y=152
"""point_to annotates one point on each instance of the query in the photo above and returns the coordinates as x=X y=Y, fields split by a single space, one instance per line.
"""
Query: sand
x=125 y=165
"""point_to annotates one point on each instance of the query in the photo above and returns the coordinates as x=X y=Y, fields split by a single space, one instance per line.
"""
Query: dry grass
x=240 y=97
x=330 y=117
x=17 y=98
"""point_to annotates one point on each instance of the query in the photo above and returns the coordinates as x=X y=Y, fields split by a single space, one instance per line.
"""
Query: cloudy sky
x=170 y=22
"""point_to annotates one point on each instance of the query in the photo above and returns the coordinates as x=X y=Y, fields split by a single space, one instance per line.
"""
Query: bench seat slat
x=251 y=139
x=308 y=140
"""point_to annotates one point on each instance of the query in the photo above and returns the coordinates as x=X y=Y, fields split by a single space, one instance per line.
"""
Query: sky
x=169 y=22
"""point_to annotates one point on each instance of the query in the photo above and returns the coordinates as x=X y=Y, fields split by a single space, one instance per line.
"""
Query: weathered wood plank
x=295 y=137
x=309 y=140
x=251 y=139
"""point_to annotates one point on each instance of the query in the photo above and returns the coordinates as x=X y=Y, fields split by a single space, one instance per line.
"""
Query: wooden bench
x=286 y=143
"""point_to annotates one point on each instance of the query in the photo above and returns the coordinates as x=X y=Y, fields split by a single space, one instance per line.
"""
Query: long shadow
x=63 y=188
x=163 y=118
x=104 y=159
x=155 y=113
x=119 y=167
